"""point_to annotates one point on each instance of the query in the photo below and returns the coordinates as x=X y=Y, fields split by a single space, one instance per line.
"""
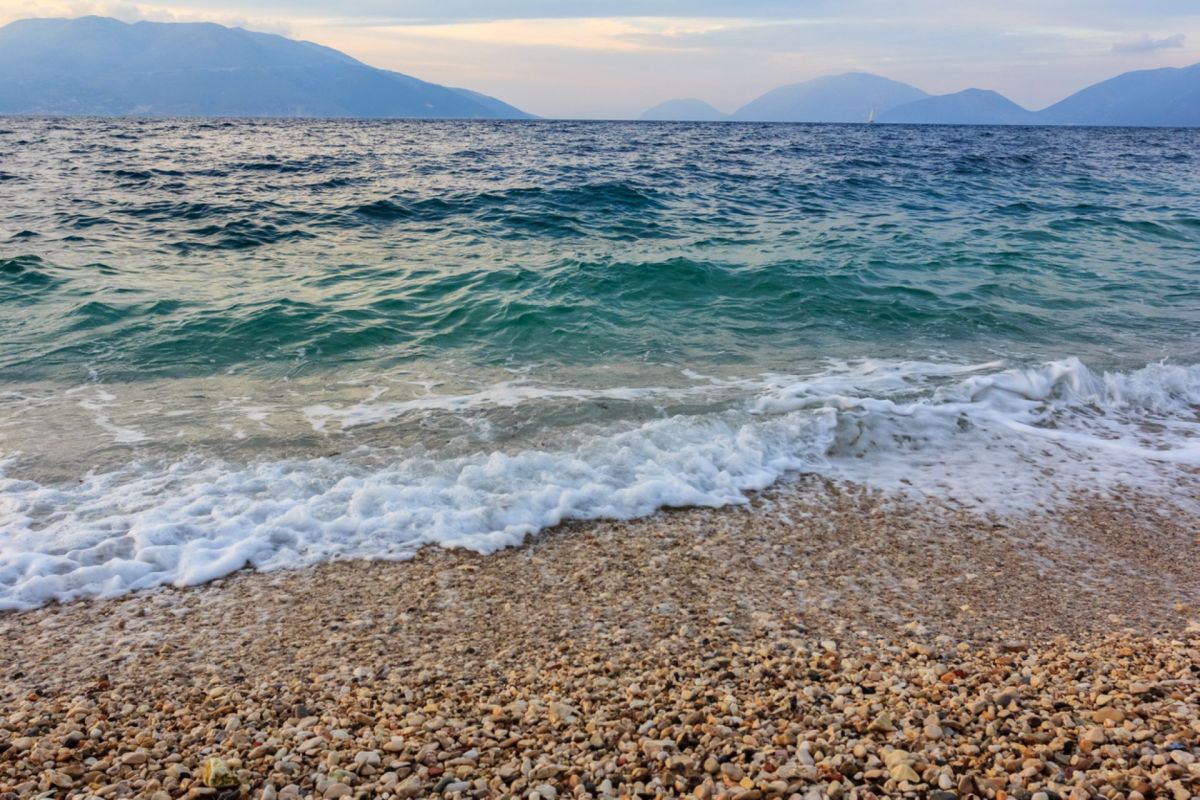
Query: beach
x=562 y=459
x=823 y=641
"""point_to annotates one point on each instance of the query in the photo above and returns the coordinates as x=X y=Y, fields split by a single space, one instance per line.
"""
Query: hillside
x=101 y=66
x=836 y=98
x=968 y=107
x=1152 y=97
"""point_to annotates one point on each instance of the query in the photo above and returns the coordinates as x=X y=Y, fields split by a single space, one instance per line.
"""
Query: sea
x=274 y=343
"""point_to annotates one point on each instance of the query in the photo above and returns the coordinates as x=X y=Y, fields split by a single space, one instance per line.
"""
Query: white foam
x=978 y=435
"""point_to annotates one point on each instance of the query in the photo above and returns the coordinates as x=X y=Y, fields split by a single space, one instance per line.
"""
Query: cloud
x=1148 y=44
x=136 y=12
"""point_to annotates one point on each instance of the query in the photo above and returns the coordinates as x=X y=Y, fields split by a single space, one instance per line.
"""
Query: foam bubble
x=978 y=435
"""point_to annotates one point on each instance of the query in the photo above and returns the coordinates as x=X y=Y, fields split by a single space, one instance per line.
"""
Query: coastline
x=823 y=638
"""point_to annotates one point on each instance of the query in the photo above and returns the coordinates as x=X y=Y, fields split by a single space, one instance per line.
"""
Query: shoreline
x=821 y=635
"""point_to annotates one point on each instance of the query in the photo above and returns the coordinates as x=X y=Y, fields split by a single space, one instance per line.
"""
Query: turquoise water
x=279 y=342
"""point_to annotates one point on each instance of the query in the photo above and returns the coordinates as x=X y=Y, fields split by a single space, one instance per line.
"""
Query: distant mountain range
x=688 y=109
x=101 y=66
x=1154 y=97
x=836 y=98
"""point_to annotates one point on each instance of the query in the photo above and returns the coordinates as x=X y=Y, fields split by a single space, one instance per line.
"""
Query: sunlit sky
x=615 y=58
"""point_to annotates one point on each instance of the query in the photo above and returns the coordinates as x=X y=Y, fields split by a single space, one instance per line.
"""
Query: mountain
x=835 y=98
x=1152 y=97
x=687 y=109
x=101 y=66
x=968 y=107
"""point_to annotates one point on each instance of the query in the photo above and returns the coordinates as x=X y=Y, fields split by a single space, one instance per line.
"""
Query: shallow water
x=279 y=342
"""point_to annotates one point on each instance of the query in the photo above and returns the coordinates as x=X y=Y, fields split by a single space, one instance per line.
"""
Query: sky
x=615 y=58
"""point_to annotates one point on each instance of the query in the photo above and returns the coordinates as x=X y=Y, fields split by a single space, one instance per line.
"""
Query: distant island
x=104 y=67
x=1167 y=97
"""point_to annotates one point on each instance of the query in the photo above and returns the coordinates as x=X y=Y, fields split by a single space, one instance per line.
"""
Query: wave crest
x=983 y=437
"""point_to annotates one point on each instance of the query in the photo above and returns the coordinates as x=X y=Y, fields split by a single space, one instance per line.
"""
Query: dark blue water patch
x=171 y=211
x=24 y=277
x=270 y=164
x=131 y=176
x=615 y=197
x=81 y=221
x=238 y=235
x=336 y=183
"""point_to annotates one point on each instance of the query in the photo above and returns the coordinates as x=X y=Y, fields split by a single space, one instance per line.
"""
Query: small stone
x=409 y=787
x=561 y=712
x=1109 y=714
x=215 y=774
x=731 y=771
x=903 y=772
x=61 y=780
x=882 y=723
x=337 y=790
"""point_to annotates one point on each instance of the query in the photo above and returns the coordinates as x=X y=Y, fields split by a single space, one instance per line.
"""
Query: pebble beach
x=823 y=641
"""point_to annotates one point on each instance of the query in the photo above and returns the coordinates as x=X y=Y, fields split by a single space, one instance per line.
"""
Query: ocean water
x=275 y=343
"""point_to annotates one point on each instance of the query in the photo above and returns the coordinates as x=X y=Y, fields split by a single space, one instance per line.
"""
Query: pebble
x=553 y=677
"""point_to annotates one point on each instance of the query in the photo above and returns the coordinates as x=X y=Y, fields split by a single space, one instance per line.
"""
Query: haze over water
x=280 y=342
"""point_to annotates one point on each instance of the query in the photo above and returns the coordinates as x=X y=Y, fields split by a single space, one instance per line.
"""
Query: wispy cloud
x=137 y=12
x=1148 y=44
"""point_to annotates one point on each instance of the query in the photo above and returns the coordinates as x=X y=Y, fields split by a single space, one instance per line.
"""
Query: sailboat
x=871 y=116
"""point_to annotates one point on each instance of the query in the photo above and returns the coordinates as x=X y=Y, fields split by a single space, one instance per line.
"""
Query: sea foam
x=979 y=436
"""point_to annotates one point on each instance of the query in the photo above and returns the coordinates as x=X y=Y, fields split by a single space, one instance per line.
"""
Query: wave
x=22 y=277
x=616 y=210
x=980 y=436
x=573 y=309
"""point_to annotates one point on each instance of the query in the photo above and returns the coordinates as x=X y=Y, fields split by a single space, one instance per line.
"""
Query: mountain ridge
x=1164 y=97
x=966 y=107
x=848 y=97
x=1169 y=94
x=684 y=109
x=102 y=66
